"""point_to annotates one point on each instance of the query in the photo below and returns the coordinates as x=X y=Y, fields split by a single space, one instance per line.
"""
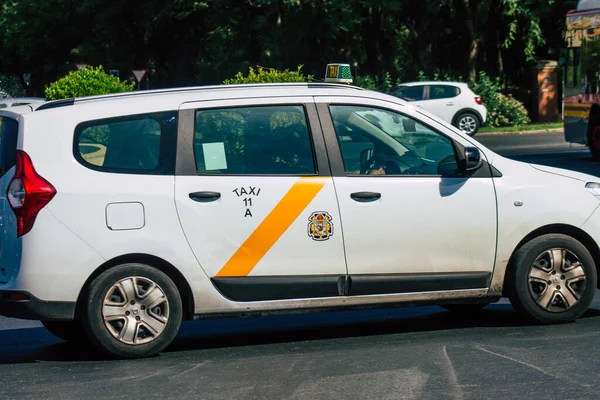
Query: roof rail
x=56 y=103
x=71 y=101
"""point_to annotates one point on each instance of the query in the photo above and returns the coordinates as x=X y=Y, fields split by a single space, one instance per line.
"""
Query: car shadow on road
x=30 y=345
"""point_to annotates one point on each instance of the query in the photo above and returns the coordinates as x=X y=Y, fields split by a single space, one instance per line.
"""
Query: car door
x=441 y=101
x=256 y=198
x=412 y=222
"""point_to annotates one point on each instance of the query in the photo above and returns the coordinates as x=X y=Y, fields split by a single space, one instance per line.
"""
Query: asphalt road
x=413 y=353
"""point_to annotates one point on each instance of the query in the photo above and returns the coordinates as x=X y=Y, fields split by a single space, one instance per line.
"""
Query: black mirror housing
x=472 y=160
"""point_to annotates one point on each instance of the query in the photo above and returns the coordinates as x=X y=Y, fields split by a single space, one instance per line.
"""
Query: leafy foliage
x=86 y=82
x=11 y=87
x=503 y=110
x=271 y=75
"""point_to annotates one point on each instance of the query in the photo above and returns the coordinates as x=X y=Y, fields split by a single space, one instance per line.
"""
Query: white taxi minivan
x=124 y=214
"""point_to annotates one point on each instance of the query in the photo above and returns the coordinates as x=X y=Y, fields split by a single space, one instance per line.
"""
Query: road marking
x=272 y=227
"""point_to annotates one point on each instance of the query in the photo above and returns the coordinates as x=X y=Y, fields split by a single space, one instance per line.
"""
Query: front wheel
x=552 y=279
x=468 y=123
x=133 y=311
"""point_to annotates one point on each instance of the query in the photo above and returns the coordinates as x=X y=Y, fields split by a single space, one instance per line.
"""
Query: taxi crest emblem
x=320 y=227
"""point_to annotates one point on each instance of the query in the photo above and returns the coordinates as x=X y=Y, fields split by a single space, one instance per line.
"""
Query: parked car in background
x=20 y=101
x=453 y=102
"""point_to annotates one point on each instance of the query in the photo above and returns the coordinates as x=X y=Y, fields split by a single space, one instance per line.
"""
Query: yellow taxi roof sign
x=338 y=73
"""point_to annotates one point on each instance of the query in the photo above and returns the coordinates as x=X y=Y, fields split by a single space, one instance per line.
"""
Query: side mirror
x=472 y=159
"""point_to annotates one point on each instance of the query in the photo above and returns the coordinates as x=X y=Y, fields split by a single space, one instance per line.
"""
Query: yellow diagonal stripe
x=272 y=227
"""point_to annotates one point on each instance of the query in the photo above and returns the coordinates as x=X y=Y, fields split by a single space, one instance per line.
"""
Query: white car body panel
x=70 y=239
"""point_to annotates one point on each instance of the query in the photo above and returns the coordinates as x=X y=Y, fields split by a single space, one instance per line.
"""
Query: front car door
x=411 y=222
x=256 y=199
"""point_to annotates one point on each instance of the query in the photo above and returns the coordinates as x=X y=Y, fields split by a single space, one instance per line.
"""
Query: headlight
x=593 y=188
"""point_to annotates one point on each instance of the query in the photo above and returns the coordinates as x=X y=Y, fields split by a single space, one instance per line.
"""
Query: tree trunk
x=474 y=49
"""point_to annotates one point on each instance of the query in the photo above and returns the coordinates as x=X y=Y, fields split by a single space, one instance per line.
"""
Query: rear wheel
x=133 y=311
x=468 y=123
x=552 y=279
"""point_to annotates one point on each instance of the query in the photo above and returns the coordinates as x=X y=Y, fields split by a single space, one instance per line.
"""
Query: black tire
x=472 y=119
x=69 y=331
x=98 y=332
x=464 y=309
x=523 y=298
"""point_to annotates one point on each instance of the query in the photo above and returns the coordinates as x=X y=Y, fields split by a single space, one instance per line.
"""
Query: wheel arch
x=185 y=291
x=465 y=111
x=569 y=230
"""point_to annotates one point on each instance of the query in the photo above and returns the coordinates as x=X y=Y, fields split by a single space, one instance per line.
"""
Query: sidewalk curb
x=554 y=130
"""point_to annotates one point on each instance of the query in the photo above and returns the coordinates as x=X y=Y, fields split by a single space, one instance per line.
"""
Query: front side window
x=437 y=92
x=376 y=141
x=132 y=144
x=257 y=140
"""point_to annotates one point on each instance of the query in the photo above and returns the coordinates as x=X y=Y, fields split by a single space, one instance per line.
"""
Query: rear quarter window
x=136 y=144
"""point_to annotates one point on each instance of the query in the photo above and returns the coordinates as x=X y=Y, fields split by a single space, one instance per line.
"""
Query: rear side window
x=442 y=92
x=137 y=144
x=9 y=132
x=258 y=140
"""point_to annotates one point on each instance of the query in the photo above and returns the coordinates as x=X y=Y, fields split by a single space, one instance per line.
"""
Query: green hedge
x=269 y=75
x=88 y=81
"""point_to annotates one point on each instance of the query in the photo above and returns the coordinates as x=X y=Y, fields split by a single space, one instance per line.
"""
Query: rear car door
x=412 y=222
x=256 y=199
x=441 y=101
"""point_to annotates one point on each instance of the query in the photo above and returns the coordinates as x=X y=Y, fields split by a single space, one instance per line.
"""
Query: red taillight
x=27 y=193
x=478 y=100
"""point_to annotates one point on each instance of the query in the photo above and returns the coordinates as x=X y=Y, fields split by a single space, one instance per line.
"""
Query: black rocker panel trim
x=265 y=288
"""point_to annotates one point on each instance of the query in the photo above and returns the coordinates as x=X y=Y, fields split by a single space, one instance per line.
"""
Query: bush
x=89 y=81
x=270 y=75
x=503 y=110
x=381 y=83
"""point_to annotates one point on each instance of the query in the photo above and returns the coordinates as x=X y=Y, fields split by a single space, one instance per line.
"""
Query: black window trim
x=186 y=158
x=164 y=149
x=338 y=168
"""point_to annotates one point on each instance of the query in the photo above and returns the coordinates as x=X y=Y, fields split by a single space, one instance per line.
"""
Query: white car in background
x=454 y=102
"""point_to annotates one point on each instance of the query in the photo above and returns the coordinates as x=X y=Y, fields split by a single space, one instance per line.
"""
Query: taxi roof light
x=338 y=73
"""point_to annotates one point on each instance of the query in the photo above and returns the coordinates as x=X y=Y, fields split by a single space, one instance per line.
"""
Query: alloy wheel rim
x=467 y=124
x=135 y=310
x=557 y=280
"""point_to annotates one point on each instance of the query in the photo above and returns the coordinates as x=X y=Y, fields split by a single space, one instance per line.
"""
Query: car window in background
x=442 y=92
x=410 y=93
